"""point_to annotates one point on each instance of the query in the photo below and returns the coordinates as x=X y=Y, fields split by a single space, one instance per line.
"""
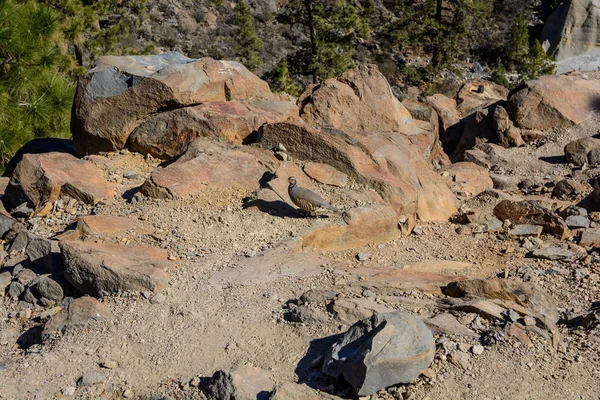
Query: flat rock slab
x=447 y=323
x=577 y=221
x=552 y=253
x=364 y=225
x=382 y=351
x=99 y=269
x=97 y=224
x=42 y=178
x=350 y=311
x=208 y=164
x=590 y=238
x=285 y=260
x=531 y=212
x=326 y=174
x=76 y=315
x=526 y=230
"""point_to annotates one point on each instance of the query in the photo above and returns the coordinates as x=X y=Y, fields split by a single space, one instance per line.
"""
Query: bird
x=306 y=199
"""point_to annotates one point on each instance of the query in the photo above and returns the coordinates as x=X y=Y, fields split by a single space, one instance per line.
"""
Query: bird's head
x=292 y=181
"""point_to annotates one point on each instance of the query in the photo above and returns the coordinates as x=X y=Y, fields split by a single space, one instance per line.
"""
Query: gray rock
x=512 y=315
x=384 y=350
x=15 y=289
x=318 y=295
x=50 y=289
x=242 y=383
x=577 y=221
x=460 y=359
x=91 y=378
x=69 y=391
x=26 y=276
x=20 y=242
x=131 y=175
x=552 y=253
x=309 y=315
x=529 y=320
x=526 y=230
x=448 y=324
x=158 y=298
x=6 y=224
x=363 y=256
x=44 y=253
x=5 y=278
x=21 y=211
x=368 y=293
x=29 y=297
x=477 y=349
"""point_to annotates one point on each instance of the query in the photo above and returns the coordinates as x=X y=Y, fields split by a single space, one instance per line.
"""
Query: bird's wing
x=311 y=196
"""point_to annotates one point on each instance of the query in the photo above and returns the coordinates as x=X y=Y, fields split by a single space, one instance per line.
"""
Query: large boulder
x=99 y=269
x=580 y=151
x=168 y=134
x=208 y=164
x=553 y=101
x=120 y=93
x=389 y=162
x=382 y=351
x=42 y=178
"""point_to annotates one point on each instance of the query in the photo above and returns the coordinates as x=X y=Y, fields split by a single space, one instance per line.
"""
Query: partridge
x=306 y=199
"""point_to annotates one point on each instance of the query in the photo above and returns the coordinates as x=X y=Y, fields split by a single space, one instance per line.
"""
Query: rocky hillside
x=160 y=254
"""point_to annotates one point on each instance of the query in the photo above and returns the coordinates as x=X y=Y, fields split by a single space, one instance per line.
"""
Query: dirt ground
x=211 y=319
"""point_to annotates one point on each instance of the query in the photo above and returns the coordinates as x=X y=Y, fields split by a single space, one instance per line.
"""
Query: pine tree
x=333 y=29
x=35 y=96
x=537 y=63
x=499 y=73
x=248 y=42
x=282 y=80
x=518 y=41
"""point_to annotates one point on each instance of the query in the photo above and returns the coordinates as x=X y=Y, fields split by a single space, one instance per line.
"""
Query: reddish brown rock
x=360 y=100
x=42 y=178
x=167 y=135
x=326 y=174
x=209 y=164
x=97 y=224
x=76 y=315
x=364 y=225
x=446 y=109
x=469 y=177
x=478 y=93
x=99 y=269
x=532 y=213
x=118 y=94
x=590 y=238
x=508 y=134
x=553 y=101
x=387 y=162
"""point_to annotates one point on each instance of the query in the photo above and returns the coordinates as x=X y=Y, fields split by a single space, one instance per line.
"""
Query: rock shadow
x=30 y=337
x=128 y=194
x=313 y=376
x=38 y=146
x=554 y=160
x=277 y=207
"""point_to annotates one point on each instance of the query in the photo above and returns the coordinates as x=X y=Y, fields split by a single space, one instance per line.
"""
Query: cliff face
x=573 y=29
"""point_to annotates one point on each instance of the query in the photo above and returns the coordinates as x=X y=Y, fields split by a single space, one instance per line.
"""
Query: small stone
x=477 y=349
x=363 y=256
x=50 y=289
x=158 y=298
x=577 y=221
x=368 y=293
x=15 y=289
x=21 y=211
x=526 y=230
x=131 y=175
x=250 y=253
x=91 y=378
x=460 y=359
x=195 y=382
x=463 y=347
x=552 y=253
x=418 y=230
x=280 y=155
x=128 y=393
x=512 y=315
x=146 y=294
x=109 y=364
x=68 y=391
x=26 y=313
x=529 y=320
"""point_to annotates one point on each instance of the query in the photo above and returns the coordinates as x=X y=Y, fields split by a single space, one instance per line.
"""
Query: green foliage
x=518 y=43
x=217 y=3
x=333 y=29
x=537 y=63
x=281 y=80
x=35 y=96
x=499 y=74
x=248 y=43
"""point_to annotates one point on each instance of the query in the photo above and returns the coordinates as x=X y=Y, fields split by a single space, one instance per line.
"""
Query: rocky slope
x=181 y=269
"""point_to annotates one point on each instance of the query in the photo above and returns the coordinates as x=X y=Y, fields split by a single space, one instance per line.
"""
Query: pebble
x=477 y=349
x=68 y=391
x=418 y=230
x=91 y=378
x=512 y=315
x=529 y=320
x=250 y=253
x=158 y=298
x=14 y=290
x=128 y=393
x=463 y=347
x=363 y=256
x=131 y=175
x=368 y=293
